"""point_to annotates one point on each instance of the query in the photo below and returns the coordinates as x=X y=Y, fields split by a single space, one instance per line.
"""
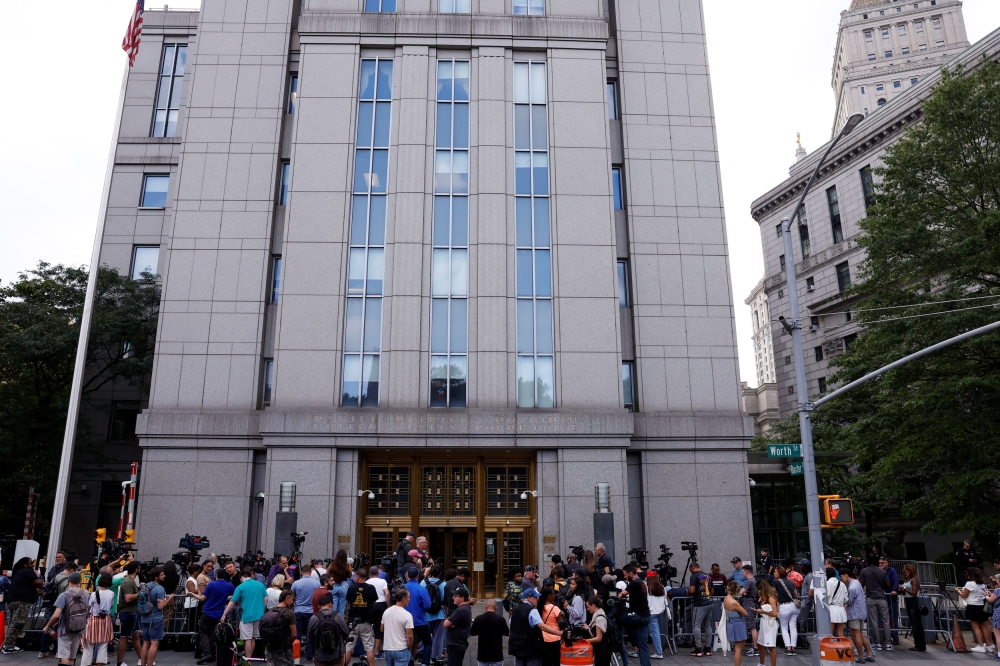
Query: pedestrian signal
x=836 y=511
x=100 y=535
x=129 y=536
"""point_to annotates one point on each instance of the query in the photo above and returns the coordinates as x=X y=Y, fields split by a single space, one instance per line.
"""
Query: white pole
x=73 y=411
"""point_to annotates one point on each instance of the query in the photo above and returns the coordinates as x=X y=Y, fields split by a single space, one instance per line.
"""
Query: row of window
x=899 y=10
x=520 y=7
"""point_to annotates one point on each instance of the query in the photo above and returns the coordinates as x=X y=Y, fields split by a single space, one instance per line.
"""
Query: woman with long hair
x=656 y=595
x=550 y=615
x=340 y=572
x=736 y=623
x=788 y=610
x=24 y=587
x=594 y=575
x=576 y=601
x=910 y=589
x=974 y=594
x=767 y=634
x=205 y=575
x=598 y=626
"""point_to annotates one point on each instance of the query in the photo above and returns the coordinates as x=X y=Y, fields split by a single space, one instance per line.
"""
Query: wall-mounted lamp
x=259 y=497
x=533 y=493
x=370 y=494
x=287 y=503
x=752 y=483
x=602 y=497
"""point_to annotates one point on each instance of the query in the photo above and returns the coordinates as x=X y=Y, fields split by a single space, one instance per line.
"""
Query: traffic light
x=836 y=511
x=100 y=535
x=129 y=536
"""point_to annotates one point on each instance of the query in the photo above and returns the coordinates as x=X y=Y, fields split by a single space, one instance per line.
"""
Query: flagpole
x=73 y=411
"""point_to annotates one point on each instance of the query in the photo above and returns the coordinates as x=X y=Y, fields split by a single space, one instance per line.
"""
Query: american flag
x=134 y=33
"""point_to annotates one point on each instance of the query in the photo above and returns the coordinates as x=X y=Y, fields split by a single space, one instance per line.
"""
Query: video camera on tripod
x=193 y=545
x=578 y=552
x=639 y=557
x=665 y=570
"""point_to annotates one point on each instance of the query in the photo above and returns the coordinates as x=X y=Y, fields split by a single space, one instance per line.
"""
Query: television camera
x=664 y=569
x=193 y=545
x=639 y=557
x=362 y=561
x=578 y=552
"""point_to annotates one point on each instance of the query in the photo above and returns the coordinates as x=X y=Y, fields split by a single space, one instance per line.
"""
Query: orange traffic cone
x=956 y=635
x=296 y=649
x=3 y=626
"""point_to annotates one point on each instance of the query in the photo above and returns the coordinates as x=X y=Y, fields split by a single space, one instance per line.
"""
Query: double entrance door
x=470 y=510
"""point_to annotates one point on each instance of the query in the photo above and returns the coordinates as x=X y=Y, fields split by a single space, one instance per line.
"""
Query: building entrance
x=471 y=511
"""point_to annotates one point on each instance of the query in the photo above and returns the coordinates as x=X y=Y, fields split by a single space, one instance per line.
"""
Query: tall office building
x=444 y=266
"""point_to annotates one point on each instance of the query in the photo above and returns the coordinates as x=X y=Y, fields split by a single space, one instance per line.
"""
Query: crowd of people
x=412 y=612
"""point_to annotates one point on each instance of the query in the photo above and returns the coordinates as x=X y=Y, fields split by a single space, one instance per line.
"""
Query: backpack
x=144 y=601
x=329 y=635
x=434 y=591
x=77 y=612
x=272 y=629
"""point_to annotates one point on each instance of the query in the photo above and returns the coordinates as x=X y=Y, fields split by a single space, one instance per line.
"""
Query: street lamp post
x=794 y=326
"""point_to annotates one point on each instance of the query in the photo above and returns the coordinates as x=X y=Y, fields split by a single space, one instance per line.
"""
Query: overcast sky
x=770 y=66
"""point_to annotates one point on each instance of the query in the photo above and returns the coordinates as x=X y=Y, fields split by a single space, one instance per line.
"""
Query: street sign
x=795 y=468
x=784 y=450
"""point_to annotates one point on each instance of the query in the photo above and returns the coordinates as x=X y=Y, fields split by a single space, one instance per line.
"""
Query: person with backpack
x=128 y=612
x=100 y=629
x=436 y=613
x=71 y=614
x=419 y=603
x=361 y=600
x=53 y=578
x=251 y=595
x=152 y=601
x=598 y=627
x=277 y=628
x=217 y=594
x=327 y=631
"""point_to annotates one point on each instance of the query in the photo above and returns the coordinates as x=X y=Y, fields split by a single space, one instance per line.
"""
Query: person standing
x=719 y=581
x=251 y=595
x=436 y=613
x=327 y=631
x=128 y=612
x=274 y=591
x=788 y=610
x=966 y=557
x=419 y=603
x=71 y=614
x=875 y=582
x=25 y=586
x=911 y=590
x=748 y=599
x=55 y=584
x=490 y=627
x=604 y=564
x=303 y=589
x=280 y=631
x=807 y=594
x=403 y=550
x=637 y=617
x=397 y=630
x=340 y=573
x=737 y=574
x=974 y=592
x=458 y=625
x=857 y=612
x=550 y=617
x=152 y=620
x=217 y=594
x=736 y=626
x=765 y=565
x=599 y=637
x=656 y=596
x=837 y=601
x=700 y=591
x=100 y=629
x=892 y=597
x=767 y=634
x=361 y=598
x=384 y=600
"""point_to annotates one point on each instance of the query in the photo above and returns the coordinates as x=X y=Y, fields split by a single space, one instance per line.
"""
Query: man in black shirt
x=361 y=599
x=700 y=590
x=453 y=586
x=491 y=628
x=638 y=616
x=458 y=624
x=875 y=582
x=604 y=563
x=967 y=557
x=765 y=565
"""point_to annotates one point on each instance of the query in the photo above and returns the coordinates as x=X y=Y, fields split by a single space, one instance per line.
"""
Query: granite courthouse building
x=444 y=252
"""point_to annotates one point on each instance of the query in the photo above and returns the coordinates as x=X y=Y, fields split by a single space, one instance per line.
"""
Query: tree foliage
x=927 y=435
x=39 y=334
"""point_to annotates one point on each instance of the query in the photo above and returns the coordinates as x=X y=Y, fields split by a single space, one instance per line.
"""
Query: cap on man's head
x=411 y=533
x=75 y=578
x=805 y=563
x=412 y=572
x=413 y=553
x=528 y=568
x=529 y=592
x=736 y=559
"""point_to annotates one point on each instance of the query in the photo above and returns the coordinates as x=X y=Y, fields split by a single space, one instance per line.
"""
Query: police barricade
x=681 y=630
x=937 y=622
x=180 y=624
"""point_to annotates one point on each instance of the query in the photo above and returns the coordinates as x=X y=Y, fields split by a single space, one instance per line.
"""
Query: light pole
x=794 y=326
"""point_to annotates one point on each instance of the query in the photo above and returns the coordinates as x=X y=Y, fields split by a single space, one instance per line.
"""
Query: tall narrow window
x=529 y=7
x=834 y=202
x=267 y=382
x=144 y=260
x=168 y=92
x=818 y=353
x=778 y=230
x=804 y=240
x=843 y=276
x=293 y=93
x=450 y=264
x=275 y=279
x=616 y=187
x=868 y=187
x=385 y=6
x=628 y=386
x=366 y=259
x=781 y=263
x=286 y=173
x=613 y=100
x=535 y=372
x=154 y=191
x=455 y=6
x=623 y=296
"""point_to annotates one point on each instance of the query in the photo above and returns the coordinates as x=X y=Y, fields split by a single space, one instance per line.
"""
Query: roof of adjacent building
x=860 y=4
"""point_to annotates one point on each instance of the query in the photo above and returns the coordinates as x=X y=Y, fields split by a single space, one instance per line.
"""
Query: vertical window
x=623 y=295
x=293 y=93
x=834 y=203
x=781 y=263
x=804 y=240
x=144 y=260
x=821 y=384
x=455 y=6
x=154 y=191
x=450 y=263
x=529 y=7
x=168 y=92
x=380 y=6
x=818 y=352
x=286 y=172
x=535 y=371
x=616 y=187
x=843 y=276
x=266 y=382
x=613 y=100
x=849 y=341
x=814 y=323
x=778 y=230
x=810 y=284
x=366 y=257
x=275 y=279
x=868 y=187
x=628 y=386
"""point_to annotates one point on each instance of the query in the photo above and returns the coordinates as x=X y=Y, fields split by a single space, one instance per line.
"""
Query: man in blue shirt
x=892 y=592
x=857 y=613
x=303 y=589
x=737 y=574
x=420 y=601
x=217 y=593
x=152 y=624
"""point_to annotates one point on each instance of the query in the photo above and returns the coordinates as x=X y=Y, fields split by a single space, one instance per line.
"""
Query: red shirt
x=319 y=592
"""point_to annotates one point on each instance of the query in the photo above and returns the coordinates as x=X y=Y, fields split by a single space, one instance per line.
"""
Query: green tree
x=39 y=333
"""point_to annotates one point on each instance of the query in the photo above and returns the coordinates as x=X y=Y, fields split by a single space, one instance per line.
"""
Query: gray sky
x=770 y=77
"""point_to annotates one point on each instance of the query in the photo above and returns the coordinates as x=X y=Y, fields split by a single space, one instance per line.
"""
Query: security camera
x=524 y=496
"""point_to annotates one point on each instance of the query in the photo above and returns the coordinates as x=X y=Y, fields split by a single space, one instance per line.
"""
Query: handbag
x=795 y=599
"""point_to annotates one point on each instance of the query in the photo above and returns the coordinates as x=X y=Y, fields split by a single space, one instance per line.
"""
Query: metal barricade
x=936 y=572
x=181 y=623
x=681 y=630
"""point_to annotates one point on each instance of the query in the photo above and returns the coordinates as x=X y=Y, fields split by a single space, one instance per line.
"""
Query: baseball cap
x=529 y=592
x=651 y=574
x=549 y=582
x=411 y=533
x=413 y=553
x=75 y=578
x=528 y=568
x=805 y=563
x=735 y=560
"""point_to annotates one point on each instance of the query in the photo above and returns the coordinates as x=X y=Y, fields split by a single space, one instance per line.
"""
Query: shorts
x=153 y=630
x=363 y=631
x=68 y=645
x=249 y=630
x=856 y=625
x=976 y=614
x=128 y=624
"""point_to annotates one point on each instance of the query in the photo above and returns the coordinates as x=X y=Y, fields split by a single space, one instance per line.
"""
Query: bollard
x=834 y=650
x=296 y=650
x=580 y=653
x=3 y=626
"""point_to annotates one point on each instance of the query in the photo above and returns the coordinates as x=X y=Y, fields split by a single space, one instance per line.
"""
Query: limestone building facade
x=469 y=257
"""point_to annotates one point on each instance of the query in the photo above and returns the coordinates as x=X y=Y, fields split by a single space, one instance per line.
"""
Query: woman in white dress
x=767 y=634
x=836 y=594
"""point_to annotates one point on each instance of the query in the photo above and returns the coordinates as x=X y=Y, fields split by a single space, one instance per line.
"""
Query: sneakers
x=697 y=652
x=979 y=648
x=13 y=650
x=889 y=648
x=656 y=656
x=877 y=646
x=870 y=659
x=633 y=654
x=43 y=655
x=991 y=648
x=708 y=653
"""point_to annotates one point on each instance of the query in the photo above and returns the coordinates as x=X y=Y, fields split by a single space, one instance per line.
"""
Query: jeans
x=45 y=646
x=804 y=615
x=456 y=655
x=422 y=634
x=894 y=615
x=788 y=616
x=654 y=632
x=639 y=625
x=703 y=624
x=878 y=611
x=916 y=622
x=339 y=593
x=397 y=657
x=302 y=627
x=438 y=635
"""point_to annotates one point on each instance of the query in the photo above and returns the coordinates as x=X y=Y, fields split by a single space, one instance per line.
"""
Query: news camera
x=572 y=633
x=361 y=561
x=664 y=569
x=578 y=552
x=194 y=543
x=640 y=557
